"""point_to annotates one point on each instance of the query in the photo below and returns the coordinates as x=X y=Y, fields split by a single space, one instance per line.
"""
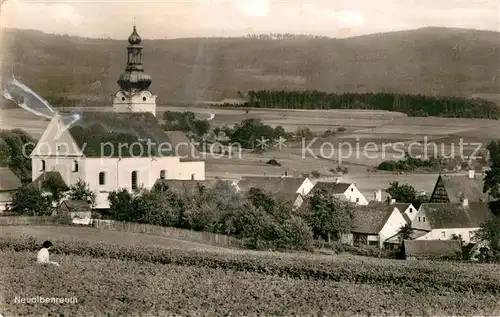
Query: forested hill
x=429 y=61
x=412 y=105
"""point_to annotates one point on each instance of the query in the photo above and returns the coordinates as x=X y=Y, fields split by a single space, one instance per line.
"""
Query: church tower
x=134 y=95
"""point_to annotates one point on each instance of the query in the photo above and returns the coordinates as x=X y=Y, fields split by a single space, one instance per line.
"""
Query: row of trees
x=246 y=133
x=410 y=164
x=31 y=200
x=285 y=36
x=412 y=105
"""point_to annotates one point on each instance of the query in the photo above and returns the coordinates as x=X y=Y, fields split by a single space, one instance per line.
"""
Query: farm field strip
x=103 y=285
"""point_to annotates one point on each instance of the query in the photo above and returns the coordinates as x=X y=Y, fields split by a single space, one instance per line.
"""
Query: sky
x=201 y=18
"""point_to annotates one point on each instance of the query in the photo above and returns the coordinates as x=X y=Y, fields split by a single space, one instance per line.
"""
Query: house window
x=419 y=219
x=357 y=199
x=134 y=180
x=443 y=234
x=102 y=178
x=42 y=167
x=352 y=189
x=423 y=219
x=75 y=166
x=411 y=210
x=192 y=177
x=163 y=174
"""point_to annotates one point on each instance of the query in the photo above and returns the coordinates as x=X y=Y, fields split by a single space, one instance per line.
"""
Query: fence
x=29 y=220
x=168 y=232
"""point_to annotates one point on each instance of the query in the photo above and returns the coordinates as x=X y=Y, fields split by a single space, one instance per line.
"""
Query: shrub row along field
x=417 y=275
x=111 y=287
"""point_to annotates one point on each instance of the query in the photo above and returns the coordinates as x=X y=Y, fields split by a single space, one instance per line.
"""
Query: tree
x=30 y=201
x=55 y=186
x=404 y=193
x=405 y=232
x=327 y=215
x=123 y=205
x=249 y=131
x=15 y=147
x=159 y=208
x=260 y=199
x=490 y=230
x=82 y=191
x=492 y=177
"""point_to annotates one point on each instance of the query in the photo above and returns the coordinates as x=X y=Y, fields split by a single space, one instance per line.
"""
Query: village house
x=9 y=183
x=374 y=224
x=290 y=188
x=126 y=148
x=80 y=211
x=343 y=191
x=453 y=188
x=432 y=249
x=446 y=221
x=407 y=209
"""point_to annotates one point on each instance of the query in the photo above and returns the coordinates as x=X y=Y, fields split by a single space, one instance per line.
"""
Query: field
x=126 y=280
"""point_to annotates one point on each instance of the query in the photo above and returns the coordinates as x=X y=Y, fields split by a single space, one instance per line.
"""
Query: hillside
x=431 y=61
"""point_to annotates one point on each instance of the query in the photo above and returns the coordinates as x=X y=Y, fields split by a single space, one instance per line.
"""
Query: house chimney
x=393 y=201
x=471 y=174
x=378 y=195
x=337 y=181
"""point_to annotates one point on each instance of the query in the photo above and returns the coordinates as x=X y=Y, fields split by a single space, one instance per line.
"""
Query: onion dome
x=134 y=38
x=134 y=80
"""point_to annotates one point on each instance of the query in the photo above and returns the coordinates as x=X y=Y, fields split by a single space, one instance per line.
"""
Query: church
x=125 y=147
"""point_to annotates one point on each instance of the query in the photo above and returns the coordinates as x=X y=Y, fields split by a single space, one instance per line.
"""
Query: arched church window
x=42 y=167
x=134 y=180
x=102 y=178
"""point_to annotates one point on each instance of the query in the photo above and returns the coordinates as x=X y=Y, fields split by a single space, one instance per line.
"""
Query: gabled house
x=454 y=188
x=408 y=211
x=432 y=249
x=290 y=188
x=9 y=183
x=343 y=191
x=374 y=224
x=80 y=211
x=446 y=221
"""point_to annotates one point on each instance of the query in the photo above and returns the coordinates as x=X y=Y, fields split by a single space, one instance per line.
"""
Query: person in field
x=43 y=254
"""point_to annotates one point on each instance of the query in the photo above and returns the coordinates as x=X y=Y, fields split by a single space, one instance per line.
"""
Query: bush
x=315 y=174
x=273 y=162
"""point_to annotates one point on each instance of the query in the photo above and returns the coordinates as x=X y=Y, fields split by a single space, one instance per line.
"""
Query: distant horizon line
x=3 y=29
